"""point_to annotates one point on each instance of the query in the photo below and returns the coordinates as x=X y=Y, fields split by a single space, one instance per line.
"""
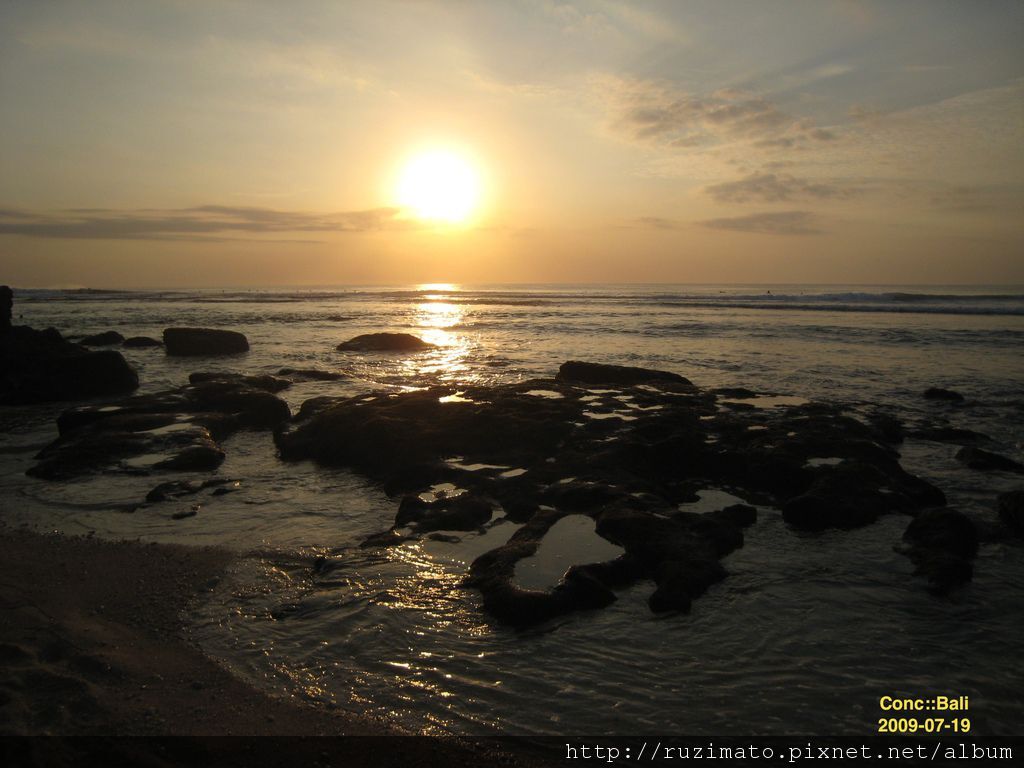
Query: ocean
x=804 y=636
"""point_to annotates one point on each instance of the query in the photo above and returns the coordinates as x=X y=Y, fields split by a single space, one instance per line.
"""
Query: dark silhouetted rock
x=6 y=307
x=938 y=393
x=384 y=342
x=41 y=366
x=545 y=448
x=598 y=373
x=266 y=382
x=1011 y=511
x=977 y=458
x=141 y=341
x=173 y=430
x=174 y=489
x=203 y=341
x=311 y=374
x=464 y=512
x=105 y=339
x=951 y=435
x=941 y=543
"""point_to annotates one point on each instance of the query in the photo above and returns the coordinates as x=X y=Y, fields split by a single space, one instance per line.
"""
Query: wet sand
x=95 y=656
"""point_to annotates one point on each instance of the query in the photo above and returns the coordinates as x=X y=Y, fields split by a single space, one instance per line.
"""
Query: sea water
x=803 y=637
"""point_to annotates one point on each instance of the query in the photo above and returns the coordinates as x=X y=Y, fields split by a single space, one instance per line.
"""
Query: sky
x=174 y=143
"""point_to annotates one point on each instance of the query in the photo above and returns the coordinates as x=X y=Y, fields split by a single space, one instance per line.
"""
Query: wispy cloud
x=657 y=222
x=659 y=114
x=774 y=188
x=206 y=222
x=779 y=223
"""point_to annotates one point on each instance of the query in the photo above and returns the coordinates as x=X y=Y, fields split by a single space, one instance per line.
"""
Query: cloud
x=657 y=222
x=774 y=188
x=780 y=223
x=206 y=222
x=654 y=112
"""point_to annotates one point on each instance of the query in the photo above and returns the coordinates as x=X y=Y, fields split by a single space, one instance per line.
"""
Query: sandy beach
x=96 y=657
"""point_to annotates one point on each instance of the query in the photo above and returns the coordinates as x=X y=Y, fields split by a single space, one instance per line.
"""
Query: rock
x=938 y=393
x=265 y=382
x=203 y=341
x=941 y=543
x=384 y=342
x=6 y=307
x=311 y=374
x=105 y=339
x=173 y=430
x=890 y=429
x=194 y=458
x=464 y=512
x=856 y=493
x=129 y=446
x=1011 y=511
x=598 y=373
x=254 y=408
x=951 y=435
x=190 y=512
x=141 y=341
x=41 y=366
x=570 y=451
x=977 y=458
x=174 y=489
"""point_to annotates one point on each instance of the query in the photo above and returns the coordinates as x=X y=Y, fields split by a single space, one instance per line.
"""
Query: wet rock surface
x=141 y=341
x=1011 y=511
x=938 y=393
x=42 y=366
x=105 y=339
x=384 y=342
x=625 y=447
x=942 y=543
x=986 y=461
x=204 y=341
x=177 y=430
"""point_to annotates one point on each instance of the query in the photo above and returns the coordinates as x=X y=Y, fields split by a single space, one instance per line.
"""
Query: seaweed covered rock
x=204 y=341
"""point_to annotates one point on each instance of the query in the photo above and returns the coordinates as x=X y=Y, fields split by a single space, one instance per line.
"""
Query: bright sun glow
x=439 y=185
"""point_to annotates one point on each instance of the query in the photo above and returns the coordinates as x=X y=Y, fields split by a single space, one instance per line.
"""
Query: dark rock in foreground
x=311 y=374
x=625 y=455
x=384 y=342
x=141 y=341
x=941 y=543
x=176 y=430
x=1011 y=511
x=265 y=382
x=204 y=341
x=105 y=339
x=938 y=393
x=597 y=373
x=977 y=458
x=6 y=307
x=41 y=366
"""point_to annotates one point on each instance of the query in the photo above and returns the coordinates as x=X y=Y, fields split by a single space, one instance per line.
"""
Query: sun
x=439 y=185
